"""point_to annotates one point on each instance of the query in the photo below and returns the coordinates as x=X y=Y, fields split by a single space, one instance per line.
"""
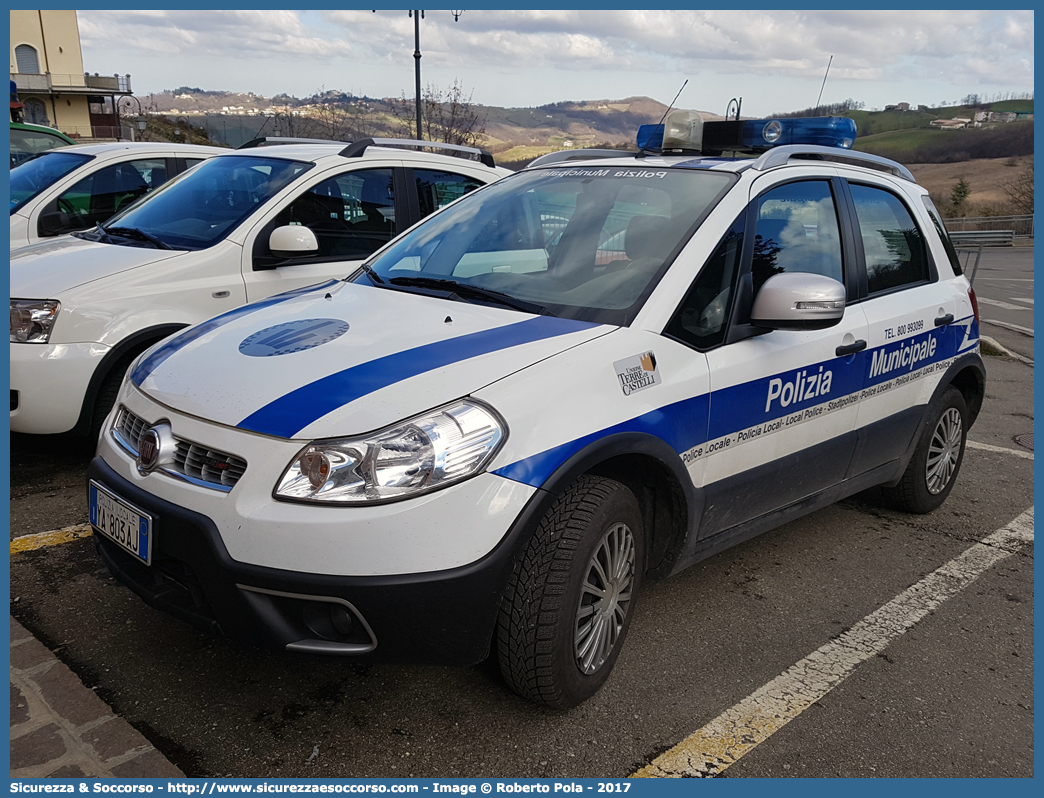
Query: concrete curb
x=61 y=729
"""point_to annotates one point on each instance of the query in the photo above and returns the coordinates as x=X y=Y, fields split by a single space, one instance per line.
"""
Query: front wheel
x=929 y=477
x=570 y=598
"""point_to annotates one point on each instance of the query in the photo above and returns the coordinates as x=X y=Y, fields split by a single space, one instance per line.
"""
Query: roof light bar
x=686 y=131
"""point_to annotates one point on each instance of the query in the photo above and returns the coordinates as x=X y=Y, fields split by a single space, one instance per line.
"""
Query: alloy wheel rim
x=605 y=597
x=943 y=451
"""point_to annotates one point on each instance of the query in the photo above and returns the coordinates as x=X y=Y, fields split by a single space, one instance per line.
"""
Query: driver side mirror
x=798 y=301
x=293 y=241
x=55 y=222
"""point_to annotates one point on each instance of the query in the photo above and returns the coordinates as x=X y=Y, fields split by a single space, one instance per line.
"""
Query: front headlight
x=32 y=320
x=414 y=457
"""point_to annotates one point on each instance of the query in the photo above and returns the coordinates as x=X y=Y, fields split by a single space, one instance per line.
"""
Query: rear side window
x=436 y=189
x=894 y=248
x=111 y=189
x=951 y=253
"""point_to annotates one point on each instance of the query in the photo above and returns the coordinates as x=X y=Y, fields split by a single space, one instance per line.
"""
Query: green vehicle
x=29 y=140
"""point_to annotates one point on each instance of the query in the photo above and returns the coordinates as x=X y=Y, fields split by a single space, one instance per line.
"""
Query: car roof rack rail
x=357 y=148
x=778 y=156
x=588 y=153
x=269 y=140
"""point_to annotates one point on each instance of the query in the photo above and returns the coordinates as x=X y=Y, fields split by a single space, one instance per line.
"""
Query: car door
x=353 y=211
x=782 y=414
x=910 y=314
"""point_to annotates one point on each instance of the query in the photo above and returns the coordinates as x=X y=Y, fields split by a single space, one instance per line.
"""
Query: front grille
x=130 y=427
x=208 y=465
x=192 y=461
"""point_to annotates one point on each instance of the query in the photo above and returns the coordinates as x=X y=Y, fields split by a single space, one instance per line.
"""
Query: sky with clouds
x=774 y=60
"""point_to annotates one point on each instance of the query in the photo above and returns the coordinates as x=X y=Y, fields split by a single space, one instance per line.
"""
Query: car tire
x=105 y=399
x=559 y=634
x=932 y=471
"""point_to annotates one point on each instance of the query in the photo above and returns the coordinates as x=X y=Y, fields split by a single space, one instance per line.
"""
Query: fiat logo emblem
x=148 y=451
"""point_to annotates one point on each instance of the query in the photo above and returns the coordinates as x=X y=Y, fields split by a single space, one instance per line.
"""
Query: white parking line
x=999 y=304
x=1001 y=449
x=1021 y=299
x=753 y=720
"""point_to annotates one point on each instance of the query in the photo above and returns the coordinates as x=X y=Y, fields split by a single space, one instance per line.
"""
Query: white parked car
x=590 y=373
x=75 y=188
x=243 y=226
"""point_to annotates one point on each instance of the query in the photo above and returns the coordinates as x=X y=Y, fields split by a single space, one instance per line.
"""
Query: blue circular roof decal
x=292 y=336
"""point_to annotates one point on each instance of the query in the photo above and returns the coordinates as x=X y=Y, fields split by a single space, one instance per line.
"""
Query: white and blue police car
x=599 y=370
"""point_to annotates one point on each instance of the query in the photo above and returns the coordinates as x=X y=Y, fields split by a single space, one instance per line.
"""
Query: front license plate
x=122 y=523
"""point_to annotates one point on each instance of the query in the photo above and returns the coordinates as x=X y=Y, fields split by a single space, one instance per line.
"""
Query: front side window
x=894 y=248
x=584 y=242
x=109 y=190
x=28 y=179
x=797 y=231
x=202 y=206
x=352 y=216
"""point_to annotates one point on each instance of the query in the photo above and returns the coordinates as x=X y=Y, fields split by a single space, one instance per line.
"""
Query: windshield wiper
x=374 y=277
x=136 y=234
x=464 y=290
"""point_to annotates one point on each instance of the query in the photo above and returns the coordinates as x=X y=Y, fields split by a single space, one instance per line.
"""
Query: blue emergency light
x=752 y=135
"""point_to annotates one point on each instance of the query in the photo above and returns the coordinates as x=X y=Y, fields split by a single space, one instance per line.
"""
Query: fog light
x=341 y=620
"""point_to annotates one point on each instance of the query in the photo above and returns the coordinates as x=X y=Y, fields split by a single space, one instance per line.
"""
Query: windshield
x=587 y=243
x=208 y=202
x=31 y=177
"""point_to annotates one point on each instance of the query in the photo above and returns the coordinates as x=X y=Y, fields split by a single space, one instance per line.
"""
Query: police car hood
x=45 y=270
x=342 y=359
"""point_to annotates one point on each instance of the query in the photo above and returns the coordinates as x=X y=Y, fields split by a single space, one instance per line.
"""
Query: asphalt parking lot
x=948 y=695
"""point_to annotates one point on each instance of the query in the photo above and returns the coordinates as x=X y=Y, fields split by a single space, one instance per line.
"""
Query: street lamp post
x=141 y=121
x=417 y=17
x=416 y=60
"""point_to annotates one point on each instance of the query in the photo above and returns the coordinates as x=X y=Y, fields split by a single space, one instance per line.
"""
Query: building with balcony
x=47 y=69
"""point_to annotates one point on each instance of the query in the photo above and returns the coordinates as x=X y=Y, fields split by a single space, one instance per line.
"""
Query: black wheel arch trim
x=973 y=390
x=597 y=458
x=146 y=337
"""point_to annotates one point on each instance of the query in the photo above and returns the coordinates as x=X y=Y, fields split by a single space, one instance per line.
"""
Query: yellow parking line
x=52 y=538
x=738 y=730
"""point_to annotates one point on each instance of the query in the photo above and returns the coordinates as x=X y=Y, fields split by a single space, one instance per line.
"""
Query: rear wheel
x=932 y=471
x=571 y=595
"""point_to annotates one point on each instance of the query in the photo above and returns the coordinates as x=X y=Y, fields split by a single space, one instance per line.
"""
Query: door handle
x=942 y=321
x=220 y=294
x=850 y=349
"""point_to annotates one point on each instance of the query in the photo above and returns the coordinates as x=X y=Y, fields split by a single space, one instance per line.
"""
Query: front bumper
x=51 y=381
x=445 y=617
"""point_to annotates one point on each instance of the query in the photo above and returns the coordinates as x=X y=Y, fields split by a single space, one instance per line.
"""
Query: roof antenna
x=820 y=97
x=676 y=96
